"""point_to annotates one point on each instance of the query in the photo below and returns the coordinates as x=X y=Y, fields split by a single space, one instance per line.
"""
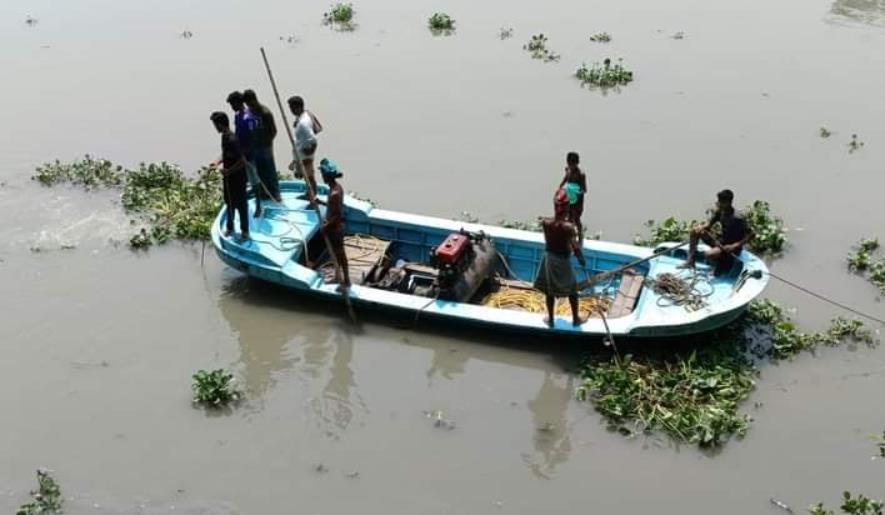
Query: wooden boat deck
x=363 y=254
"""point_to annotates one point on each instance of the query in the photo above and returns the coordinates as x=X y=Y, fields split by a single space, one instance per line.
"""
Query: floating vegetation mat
x=166 y=204
x=601 y=37
x=695 y=397
x=340 y=17
x=769 y=233
x=865 y=260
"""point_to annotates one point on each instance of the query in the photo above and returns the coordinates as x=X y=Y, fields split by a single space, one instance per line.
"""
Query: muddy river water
x=98 y=343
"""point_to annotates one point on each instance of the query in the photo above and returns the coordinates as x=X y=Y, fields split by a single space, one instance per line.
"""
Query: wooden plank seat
x=628 y=293
x=364 y=253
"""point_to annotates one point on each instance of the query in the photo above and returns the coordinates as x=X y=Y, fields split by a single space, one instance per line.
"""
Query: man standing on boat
x=555 y=276
x=735 y=234
x=233 y=174
x=264 y=130
x=243 y=131
x=333 y=225
x=306 y=129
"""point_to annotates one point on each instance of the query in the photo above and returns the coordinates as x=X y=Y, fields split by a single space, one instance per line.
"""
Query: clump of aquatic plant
x=606 y=75
x=537 y=48
x=505 y=33
x=855 y=144
x=601 y=37
x=862 y=258
x=30 y=21
x=47 y=498
x=678 y=35
x=88 y=172
x=851 y=505
x=174 y=206
x=441 y=23
x=522 y=226
x=862 y=261
x=769 y=234
x=340 y=16
x=669 y=229
x=825 y=132
x=696 y=397
x=214 y=389
x=693 y=399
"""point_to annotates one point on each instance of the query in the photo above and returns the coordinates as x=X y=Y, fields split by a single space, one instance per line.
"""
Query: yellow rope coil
x=533 y=302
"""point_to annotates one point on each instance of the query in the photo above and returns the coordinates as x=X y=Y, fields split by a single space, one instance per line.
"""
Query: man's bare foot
x=343 y=288
x=245 y=236
x=226 y=233
x=686 y=265
x=258 y=212
x=278 y=199
x=579 y=321
x=548 y=321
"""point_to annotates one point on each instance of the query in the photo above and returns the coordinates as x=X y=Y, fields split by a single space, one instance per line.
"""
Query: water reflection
x=871 y=12
x=552 y=435
x=276 y=337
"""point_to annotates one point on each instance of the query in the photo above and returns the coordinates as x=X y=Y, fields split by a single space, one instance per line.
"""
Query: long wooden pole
x=605 y=275
x=300 y=167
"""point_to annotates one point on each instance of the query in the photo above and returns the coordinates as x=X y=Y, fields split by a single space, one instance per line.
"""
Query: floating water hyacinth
x=606 y=75
x=441 y=24
x=537 y=48
x=340 y=17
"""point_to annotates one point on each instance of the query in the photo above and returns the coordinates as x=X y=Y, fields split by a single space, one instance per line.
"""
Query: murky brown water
x=98 y=343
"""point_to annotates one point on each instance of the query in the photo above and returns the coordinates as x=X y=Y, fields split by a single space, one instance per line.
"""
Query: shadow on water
x=869 y=12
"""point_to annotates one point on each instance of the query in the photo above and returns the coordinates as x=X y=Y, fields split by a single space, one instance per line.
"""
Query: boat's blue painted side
x=280 y=239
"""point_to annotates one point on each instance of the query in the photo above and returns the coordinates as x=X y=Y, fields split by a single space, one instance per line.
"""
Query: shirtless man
x=333 y=225
x=555 y=276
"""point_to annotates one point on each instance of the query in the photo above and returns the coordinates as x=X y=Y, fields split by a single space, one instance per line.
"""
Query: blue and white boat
x=443 y=269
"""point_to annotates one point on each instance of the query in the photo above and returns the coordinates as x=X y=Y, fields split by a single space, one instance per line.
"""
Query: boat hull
x=276 y=256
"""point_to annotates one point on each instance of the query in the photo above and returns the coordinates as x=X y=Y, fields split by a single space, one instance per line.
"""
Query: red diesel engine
x=464 y=262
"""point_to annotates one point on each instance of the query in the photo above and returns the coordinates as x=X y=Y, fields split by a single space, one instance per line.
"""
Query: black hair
x=235 y=96
x=296 y=101
x=572 y=157
x=726 y=196
x=219 y=118
x=249 y=96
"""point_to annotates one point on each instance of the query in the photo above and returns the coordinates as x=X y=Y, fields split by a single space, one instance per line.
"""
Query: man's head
x=329 y=171
x=220 y=121
x=235 y=99
x=296 y=105
x=572 y=159
x=724 y=200
x=560 y=204
x=250 y=99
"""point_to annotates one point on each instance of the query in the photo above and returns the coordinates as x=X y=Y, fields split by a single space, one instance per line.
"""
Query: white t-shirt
x=304 y=135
